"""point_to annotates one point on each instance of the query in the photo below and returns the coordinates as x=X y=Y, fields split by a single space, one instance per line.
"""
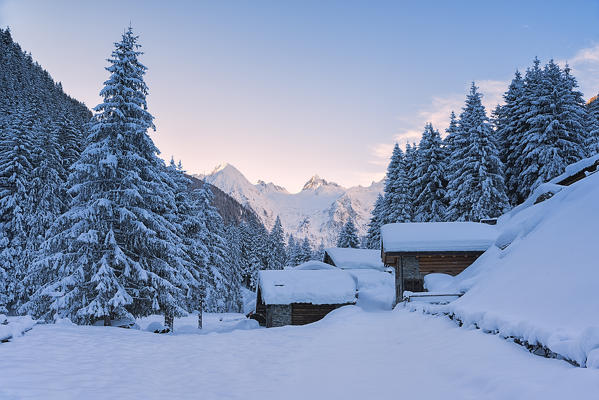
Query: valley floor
x=351 y=354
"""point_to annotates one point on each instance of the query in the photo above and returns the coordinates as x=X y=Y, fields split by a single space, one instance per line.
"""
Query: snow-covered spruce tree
x=556 y=130
x=16 y=165
x=429 y=185
x=224 y=280
x=319 y=252
x=47 y=201
x=253 y=237
x=348 y=237
x=451 y=133
x=70 y=140
x=189 y=217
x=291 y=252
x=306 y=251
x=592 y=141
x=403 y=210
x=411 y=162
x=390 y=183
x=115 y=252
x=476 y=188
x=373 y=236
x=277 y=256
x=510 y=122
x=233 y=238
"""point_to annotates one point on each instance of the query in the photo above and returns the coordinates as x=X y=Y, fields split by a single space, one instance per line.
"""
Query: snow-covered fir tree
x=555 y=133
x=305 y=251
x=277 y=256
x=234 y=257
x=319 y=252
x=291 y=252
x=510 y=123
x=592 y=141
x=189 y=217
x=373 y=236
x=397 y=202
x=223 y=291
x=16 y=166
x=348 y=237
x=115 y=253
x=254 y=251
x=429 y=184
x=450 y=134
x=476 y=188
x=411 y=163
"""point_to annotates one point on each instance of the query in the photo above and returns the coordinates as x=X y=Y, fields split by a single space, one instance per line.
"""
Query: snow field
x=350 y=354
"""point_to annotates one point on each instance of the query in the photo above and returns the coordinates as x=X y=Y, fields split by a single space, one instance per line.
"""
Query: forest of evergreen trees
x=95 y=226
x=484 y=166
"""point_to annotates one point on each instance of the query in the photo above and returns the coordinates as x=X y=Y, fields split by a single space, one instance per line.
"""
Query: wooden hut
x=298 y=297
x=418 y=249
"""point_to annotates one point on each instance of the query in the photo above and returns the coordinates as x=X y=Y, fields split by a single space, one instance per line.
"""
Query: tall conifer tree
x=429 y=184
x=476 y=188
x=115 y=252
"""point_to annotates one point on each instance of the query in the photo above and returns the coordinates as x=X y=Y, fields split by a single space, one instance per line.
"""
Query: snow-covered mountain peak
x=317 y=182
x=317 y=212
x=225 y=168
x=270 y=187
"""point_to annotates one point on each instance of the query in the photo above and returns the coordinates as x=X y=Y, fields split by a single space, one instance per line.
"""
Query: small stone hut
x=417 y=249
x=299 y=297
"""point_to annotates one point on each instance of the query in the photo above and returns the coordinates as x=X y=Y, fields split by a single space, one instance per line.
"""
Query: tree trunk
x=169 y=320
x=200 y=319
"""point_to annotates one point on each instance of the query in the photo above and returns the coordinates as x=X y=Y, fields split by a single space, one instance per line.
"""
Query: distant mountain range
x=317 y=212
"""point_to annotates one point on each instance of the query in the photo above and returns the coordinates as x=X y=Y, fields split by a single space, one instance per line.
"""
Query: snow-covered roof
x=437 y=236
x=307 y=286
x=576 y=167
x=313 y=265
x=376 y=289
x=347 y=258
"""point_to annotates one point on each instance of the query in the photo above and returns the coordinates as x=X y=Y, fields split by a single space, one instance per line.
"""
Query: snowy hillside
x=318 y=211
x=538 y=283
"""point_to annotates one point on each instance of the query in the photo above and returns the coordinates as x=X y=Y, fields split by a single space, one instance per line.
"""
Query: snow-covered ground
x=351 y=354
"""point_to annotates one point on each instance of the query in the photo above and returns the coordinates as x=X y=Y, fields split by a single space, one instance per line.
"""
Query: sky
x=284 y=90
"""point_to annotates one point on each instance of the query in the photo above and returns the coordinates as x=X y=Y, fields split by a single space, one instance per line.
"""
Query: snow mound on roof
x=542 y=287
x=313 y=265
x=438 y=282
x=346 y=258
x=376 y=289
x=576 y=167
x=437 y=236
x=307 y=286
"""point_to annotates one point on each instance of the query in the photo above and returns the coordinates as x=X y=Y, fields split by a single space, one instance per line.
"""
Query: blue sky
x=284 y=90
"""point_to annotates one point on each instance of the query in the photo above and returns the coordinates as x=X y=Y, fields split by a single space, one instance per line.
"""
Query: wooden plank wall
x=447 y=263
x=302 y=313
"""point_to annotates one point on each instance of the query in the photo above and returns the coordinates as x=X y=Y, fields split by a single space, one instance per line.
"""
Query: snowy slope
x=318 y=211
x=539 y=282
x=351 y=354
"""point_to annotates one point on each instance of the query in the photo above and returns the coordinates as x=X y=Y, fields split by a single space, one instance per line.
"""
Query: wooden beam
x=399 y=281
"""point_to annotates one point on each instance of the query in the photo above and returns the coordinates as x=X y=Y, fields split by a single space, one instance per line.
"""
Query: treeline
x=484 y=166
